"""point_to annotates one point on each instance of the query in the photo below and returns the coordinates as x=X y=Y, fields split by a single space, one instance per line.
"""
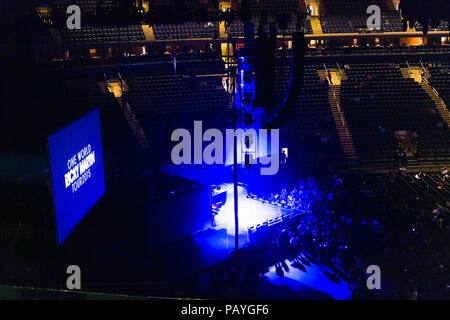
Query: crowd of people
x=350 y=221
x=321 y=235
x=302 y=196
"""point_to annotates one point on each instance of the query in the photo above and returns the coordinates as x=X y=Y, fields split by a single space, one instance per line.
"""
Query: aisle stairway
x=135 y=127
x=438 y=102
x=405 y=73
x=334 y=98
x=148 y=33
x=315 y=25
x=345 y=135
x=223 y=34
x=432 y=93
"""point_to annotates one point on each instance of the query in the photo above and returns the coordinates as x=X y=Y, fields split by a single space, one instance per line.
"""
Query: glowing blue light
x=251 y=212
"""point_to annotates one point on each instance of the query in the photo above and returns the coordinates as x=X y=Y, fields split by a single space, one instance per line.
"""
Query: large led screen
x=77 y=171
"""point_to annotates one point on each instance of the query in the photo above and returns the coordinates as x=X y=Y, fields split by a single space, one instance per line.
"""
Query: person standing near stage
x=283 y=157
x=404 y=159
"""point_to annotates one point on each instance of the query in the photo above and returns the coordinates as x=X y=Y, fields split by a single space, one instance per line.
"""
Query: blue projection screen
x=78 y=179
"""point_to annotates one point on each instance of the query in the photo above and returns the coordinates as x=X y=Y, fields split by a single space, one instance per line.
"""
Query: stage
x=251 y=211
x=215 y=244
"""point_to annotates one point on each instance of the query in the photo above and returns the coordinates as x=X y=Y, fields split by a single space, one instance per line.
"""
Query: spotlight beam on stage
x=236 y=218
x=232 y=79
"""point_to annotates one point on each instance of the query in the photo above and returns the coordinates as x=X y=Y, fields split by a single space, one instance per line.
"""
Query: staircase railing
x=129 y=114
x=409 y=68
x=326 y=73
x=432 y=88
x=424 y=79
x=339 y=67
x=421 y=64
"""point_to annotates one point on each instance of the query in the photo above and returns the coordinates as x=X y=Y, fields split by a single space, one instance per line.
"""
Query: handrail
x=436 y=92
x=408 y=65
x=339 y=67
x=432 y=88
x=106 y=79
x=423 y=67
x=326 y=73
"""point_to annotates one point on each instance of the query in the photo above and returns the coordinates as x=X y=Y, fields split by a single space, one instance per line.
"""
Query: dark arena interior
x=225 y=149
